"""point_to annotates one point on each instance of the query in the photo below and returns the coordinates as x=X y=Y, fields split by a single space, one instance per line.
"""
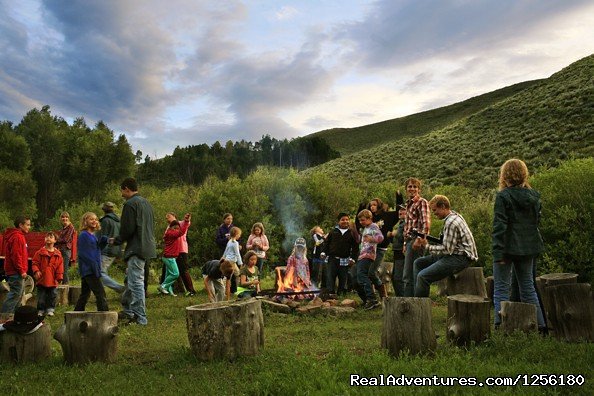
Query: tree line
x=193 y=164
x=45 y=163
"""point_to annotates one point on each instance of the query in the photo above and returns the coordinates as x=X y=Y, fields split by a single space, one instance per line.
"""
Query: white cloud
x=286 y=12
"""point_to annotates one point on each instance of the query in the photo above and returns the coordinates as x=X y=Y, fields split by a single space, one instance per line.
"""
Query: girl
x=65 y=242
x=232 y=255
x=249 y=283
x=516 y=238
x=172 y=247
x=258 y=242
x=317 y=263
x=298 y=268
x=48 y=270
x=224 y=232
x=89 y=263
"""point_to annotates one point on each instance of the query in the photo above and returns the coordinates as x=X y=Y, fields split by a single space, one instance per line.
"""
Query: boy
x=213 y=273
x=15 y=262
x=370 y=237
x=48 y=270
x=341 y=250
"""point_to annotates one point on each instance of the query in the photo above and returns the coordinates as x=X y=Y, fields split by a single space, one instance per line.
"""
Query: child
x=65 y=242
x=232 y=254
x=213 y=273
x=370 y=237
x=258 y=242
x=317 y=263
x=48 y=270
x=172 y=246
x=398 y=235
x=298 y=267
x=89 y=263
x=249 y=283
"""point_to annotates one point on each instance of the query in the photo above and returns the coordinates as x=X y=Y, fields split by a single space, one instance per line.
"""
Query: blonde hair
x=65 y=214
x=258 y=225
x=414 y=181
x=313 y=230
x=441 y=201
x=365 y=214
x=513 y=173
x=235 y=231
x=85 y=219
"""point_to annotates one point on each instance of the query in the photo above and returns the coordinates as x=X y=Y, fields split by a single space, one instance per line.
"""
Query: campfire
x=292 y=286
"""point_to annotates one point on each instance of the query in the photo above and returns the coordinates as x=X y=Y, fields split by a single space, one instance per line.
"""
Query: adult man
x=456 y=251
x=137 y=231
x=341 y=248
x=418 y=217
x=15 y=262
x=110 y=227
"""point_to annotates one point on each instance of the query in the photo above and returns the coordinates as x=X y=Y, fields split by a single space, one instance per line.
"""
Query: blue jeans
x=430 y=269
x=365 y=290
x=108 y=281
x=521 y=266
x=171 y=274
x=133 y=300
x=66 y=254
x=46 y=298
x=379 y=257
x=397 y=282
x=13 y=298
x=408 y=277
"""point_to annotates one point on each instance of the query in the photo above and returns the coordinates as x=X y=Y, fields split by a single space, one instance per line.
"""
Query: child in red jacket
x=48 y=270
x=171 y=251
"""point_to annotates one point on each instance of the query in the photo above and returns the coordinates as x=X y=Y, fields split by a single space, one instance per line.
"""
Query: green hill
x=542 y=124
x=350 y=140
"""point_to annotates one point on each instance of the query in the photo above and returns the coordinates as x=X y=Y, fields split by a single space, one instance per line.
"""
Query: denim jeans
x=13 y=298
x=521 y=266
x=333 y=270
x=430 y=269
x=379 y=257
x=171 y=273
x=46 y=298
x=408 y=277
x=397 y=282
x=66 y=255
x=133 y=300
x=365 y=290
x=106 y=262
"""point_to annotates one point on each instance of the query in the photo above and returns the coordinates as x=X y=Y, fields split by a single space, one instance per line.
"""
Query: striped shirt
x=417 y=216
x=457 y=238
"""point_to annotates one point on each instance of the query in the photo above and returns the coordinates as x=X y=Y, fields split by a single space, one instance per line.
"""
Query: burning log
x=225 y=330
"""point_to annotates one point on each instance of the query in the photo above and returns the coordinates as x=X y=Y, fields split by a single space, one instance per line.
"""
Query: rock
x=316 y=302
x=309 y=310
x=349 y=303
x=332 y=302
x=338 y=311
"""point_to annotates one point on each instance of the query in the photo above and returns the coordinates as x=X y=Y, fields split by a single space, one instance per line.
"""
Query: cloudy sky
x=181 y=72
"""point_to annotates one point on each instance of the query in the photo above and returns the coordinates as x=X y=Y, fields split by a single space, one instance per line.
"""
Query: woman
x=516 y=238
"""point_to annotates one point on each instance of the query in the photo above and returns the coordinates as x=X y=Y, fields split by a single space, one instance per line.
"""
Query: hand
x=111 y=241
x=255 y=282
x=24 y=275
x=187 y=217
x=37 y=275
x=322 y=255
x=419 y=243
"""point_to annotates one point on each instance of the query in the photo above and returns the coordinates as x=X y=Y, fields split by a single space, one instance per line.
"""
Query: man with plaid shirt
x=456 y=251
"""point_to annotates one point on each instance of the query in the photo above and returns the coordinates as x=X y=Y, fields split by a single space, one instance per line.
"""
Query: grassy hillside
x=350 y=140
x=543 y=124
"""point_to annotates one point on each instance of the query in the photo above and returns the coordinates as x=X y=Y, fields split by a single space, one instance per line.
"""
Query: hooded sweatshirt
x=15 y=262
x=51 y=266
x=515 y=223
x=110 y=227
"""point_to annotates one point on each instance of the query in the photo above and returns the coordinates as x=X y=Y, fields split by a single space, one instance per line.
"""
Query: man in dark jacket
x=15 y=262
x=137 y=230
x=341 y=248
x=110 y=227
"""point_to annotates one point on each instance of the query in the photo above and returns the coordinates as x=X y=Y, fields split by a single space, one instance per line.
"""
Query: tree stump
x=574 y=311
x=88 y=336
x=442 y=287
x=518 y=316
x=407 y=326
x=468 y=319
x=490 y=286
x=19 y=348
x=225 y=330
x=74 y=293
x=468 y=281
x=543 y=282
x=62 y=294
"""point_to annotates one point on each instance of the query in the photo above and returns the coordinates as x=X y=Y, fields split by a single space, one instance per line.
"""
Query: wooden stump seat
x=407 y=325
x=20 y=348
x=518 y=316
x=468 y=319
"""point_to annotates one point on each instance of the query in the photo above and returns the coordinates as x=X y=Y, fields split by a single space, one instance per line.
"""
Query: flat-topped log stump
x=20 y=348
x=518 y=316
x=574 y=311
x=468 y=281
x=225 y=330
x=490 y=286
x=468 y=319
x=62 y=294
x=543 y=282
x=407 y=326
x=89 y=336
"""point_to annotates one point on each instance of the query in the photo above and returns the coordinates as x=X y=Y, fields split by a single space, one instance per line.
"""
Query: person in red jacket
x=15 y=262
x=48 y=270
x=171 y=251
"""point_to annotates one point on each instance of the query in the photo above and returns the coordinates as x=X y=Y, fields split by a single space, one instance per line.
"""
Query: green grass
x=301 y=355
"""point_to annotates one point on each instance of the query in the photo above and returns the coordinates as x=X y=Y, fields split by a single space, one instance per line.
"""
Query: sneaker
x=372 y=305
x=40 y=313
x=172 y=294
x=124 y=316
x=190 y=294
x=49 y=312
x=162 y=290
